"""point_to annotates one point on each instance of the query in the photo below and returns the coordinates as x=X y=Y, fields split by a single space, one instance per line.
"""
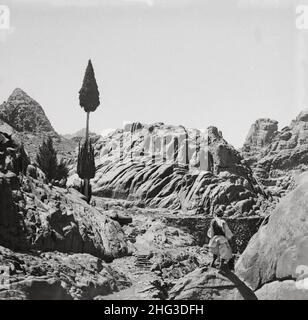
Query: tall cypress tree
x=89 y=100
x=89 y=94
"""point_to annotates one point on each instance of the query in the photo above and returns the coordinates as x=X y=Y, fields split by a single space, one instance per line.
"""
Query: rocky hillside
x=25 y=119
x=37 y=216
x=167 y=167
x=53 y=245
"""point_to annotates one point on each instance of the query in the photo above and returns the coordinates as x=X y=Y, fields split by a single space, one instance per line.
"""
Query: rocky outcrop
x=177 y=168
x=289 y=149
x=132 y=127
x=277 y=157
x=273 y=149
x=210 y=284
x=260 y=135
x=279 y=250
x=56 y=276
x=37 y=216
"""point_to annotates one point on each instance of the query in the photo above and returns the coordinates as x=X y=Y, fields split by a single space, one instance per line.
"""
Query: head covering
x=219 y=213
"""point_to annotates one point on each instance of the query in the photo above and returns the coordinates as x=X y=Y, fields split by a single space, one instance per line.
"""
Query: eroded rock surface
x=149 y=165
x=56 y=276
x=210 y=284
x=279 y=250
x=277 y=157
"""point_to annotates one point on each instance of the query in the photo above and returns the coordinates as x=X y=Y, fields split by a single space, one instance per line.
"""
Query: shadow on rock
x=210 y=284
x=243 y=290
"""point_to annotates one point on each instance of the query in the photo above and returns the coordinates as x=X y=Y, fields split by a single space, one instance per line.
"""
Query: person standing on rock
x=220 y=234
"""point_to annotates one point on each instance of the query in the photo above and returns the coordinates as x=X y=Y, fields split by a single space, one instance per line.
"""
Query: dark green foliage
x=86 y=164
x=62 y=170
x=22 y=161
x=47 y=161
x=89 y=94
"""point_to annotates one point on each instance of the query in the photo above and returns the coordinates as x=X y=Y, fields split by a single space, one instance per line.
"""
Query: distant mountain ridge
x=79 y=134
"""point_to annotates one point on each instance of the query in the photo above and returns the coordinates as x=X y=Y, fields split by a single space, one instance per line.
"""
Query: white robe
x=219 y=244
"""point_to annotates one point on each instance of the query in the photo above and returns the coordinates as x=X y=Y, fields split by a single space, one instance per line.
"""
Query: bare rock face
x=283 y=290
x=279 y=250
x=259 y=136
x=210 y=284
x=132 y=127
x=277 y=157
x=56 y=276
x=289 y=149
x=177 y=168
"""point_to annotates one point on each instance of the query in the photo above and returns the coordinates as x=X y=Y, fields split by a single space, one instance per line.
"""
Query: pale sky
x=191 y=62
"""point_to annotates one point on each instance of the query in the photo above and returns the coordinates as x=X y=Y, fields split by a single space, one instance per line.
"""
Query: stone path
x=137 y=268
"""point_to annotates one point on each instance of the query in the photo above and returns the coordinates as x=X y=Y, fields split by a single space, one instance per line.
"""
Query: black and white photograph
x=154 y=150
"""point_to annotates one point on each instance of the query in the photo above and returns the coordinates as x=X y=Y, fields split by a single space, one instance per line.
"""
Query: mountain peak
x=25 y=114
x=18 y=91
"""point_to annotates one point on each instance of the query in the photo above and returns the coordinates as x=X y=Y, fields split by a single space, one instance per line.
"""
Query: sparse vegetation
x=47 y=161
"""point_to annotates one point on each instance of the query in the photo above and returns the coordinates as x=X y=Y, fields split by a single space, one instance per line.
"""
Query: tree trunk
x=87 y=181
x=87 y=128
x=86 y=189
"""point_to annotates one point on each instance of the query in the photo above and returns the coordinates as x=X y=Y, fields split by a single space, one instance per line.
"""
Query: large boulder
x=210 y=284
x=56 y=276
x=282 y=290
x=279 y=250
x=41 y=217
